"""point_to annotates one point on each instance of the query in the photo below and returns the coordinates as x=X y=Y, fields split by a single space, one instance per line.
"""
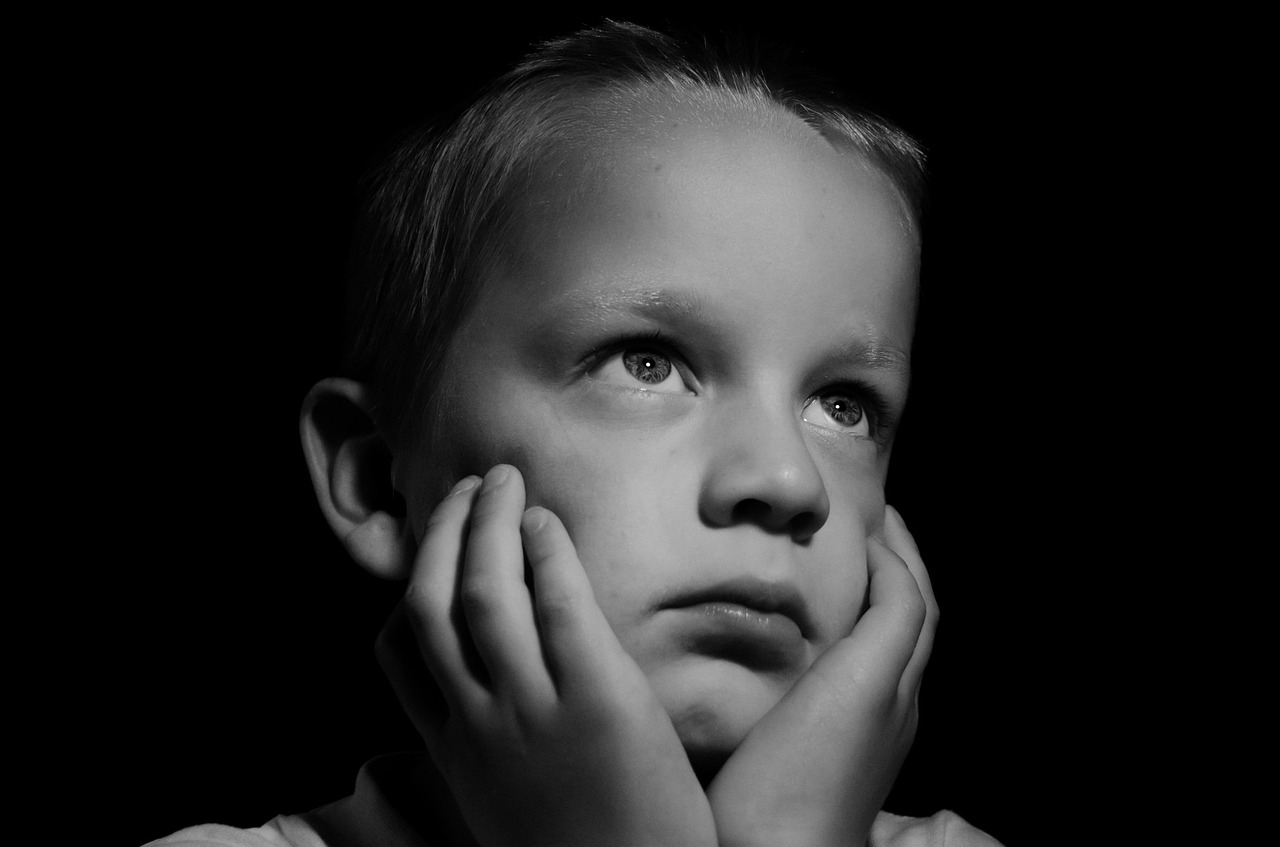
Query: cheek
x=869 y=506
x=610 y=499
x=855 y=485
x=839 y=551
x=629 y=513
x=606 y=484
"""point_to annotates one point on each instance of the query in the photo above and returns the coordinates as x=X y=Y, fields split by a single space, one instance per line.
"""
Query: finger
x=431 y=599
x=865 y=668
x=576 y=638
x=899 y=539
x=882 y=642
x=897 y=612
x=494 y=596
x=419 y=695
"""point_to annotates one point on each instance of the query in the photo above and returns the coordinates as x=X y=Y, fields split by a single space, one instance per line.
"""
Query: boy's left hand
x=817 y=768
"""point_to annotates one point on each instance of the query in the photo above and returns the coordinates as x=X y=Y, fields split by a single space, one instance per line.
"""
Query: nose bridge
x=762 y=468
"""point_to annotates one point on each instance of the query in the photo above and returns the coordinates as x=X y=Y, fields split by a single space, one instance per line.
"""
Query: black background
x=222 y=668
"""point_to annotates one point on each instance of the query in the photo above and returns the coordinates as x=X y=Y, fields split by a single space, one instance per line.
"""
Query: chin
x=713 y=704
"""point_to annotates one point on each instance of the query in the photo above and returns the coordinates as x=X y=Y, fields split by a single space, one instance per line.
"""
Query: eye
x=840 y=411
x=643 y=368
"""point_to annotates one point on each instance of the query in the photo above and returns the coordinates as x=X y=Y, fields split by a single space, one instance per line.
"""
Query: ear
x=350 y=464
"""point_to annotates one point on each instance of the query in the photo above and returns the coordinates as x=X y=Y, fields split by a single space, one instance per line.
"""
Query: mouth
x=749 y=621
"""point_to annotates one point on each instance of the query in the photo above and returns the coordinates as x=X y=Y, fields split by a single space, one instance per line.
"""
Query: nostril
x=800 y=526
x=803 y=526
x=751 y=511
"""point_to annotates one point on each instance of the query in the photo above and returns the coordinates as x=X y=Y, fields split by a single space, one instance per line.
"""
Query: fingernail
x=497 y=475
x=465 y=484
x=535 y=518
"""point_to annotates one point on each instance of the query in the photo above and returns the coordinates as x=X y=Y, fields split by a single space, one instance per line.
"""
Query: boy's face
x=676 y=359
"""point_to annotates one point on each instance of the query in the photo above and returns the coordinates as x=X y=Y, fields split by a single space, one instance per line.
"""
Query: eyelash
x=875 y=405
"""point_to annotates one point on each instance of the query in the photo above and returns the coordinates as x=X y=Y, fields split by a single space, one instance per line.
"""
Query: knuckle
x=538 y=553
x=431 y=584
x=912 y=611
x=478 y=599
x=489 y=505
x=492 y=502
x=420 y=603
x=556 y=610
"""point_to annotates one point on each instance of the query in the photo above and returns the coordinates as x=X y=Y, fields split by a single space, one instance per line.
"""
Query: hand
x=817 y=767
x=546 y=731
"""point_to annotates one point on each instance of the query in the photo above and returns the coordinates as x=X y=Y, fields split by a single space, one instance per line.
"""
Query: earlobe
x=350 y=465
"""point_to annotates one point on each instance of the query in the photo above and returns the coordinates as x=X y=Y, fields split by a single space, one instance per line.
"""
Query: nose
x=762 y=472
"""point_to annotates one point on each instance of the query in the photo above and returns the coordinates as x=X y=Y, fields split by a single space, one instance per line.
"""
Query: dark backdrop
x=231 y=643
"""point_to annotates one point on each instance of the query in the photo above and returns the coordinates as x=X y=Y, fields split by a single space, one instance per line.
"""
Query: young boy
x=632 y=339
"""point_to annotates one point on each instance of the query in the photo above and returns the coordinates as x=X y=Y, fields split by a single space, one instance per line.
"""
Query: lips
x=749 y=621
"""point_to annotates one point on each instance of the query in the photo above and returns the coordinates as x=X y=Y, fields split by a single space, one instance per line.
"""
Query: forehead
x=724 y=207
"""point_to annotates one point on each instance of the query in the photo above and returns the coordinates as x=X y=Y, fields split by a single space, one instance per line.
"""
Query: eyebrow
x=874 y=353
x=642 y=302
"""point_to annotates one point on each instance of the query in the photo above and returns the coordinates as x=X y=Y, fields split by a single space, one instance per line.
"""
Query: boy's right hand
x=545 y=729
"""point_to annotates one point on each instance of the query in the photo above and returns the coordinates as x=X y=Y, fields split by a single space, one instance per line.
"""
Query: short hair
x=441 y=206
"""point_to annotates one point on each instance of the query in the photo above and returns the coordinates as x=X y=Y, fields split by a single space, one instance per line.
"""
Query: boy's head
x=680 y=299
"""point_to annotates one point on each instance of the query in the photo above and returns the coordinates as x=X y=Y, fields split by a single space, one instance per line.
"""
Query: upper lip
x=752 y=593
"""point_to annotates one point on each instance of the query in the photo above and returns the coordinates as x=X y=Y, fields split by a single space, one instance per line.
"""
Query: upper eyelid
x=655 y=341
x=862 y=391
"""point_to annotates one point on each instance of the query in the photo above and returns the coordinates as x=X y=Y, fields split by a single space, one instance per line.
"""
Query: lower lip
x=749 y=636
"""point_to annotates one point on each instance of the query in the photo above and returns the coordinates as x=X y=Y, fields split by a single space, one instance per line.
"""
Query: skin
x=632 y=473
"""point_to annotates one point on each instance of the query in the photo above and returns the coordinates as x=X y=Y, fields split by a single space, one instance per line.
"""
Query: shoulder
x=945 y=829
x=282 y=832
x=368 y=818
